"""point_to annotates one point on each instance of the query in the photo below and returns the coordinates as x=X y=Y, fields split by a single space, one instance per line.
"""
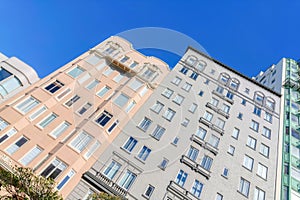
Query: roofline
x=232 y=70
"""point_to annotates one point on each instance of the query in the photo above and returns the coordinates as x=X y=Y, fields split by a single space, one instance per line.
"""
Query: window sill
x=242 y=194
x=142 y=161
x=125 y=150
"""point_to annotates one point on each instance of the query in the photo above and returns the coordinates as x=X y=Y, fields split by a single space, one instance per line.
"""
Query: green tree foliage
x=104 y=196
x=23 y=184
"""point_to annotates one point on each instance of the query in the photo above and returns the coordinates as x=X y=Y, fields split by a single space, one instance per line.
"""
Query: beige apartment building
x=60 y=125
x=15 y=76
x=206 y=132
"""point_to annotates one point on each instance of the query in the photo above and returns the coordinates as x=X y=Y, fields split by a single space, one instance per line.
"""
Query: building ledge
x=180 y=192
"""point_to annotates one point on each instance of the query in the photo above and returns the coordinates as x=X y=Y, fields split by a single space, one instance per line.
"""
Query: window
x=92 y=84
x=104 y=118
x=175 y=141
x=220 y=123
x=185 y=122
x=8 y=134
x=103 y=91
x=124 y=59
x=130 y=144
x=158 y=132
x=108 y=71
x=169 y=114
x=37 y=113
x=206 y=162
x=54 y=169
x=201 y=93
x=130 y=106
x=244 y=187
x=54 y=87
x=60 y=129
x=214 y=141
x=231 y=150
x=84 y=78
x=264 y=150
x=219 y=197
x=254 y=125
x=184 y=70
x=45 y=122
x=92 y=150
x=118 y=78
x=220 y=90
x=194 y=76
x=270 y=104
x=225 y=108
x=268 y=117
x=149 y=191
x=193 y=107
x=259 y=98
x=93 y=59
x=178 y=99
x=145 y=123
x=224 y=78
x=3 y=124
x=163 y=163
x=229 y=95
x=259 y=194
x=66 y=179
x=112 y=170
x=208 y=116
x=167 y=93
x=234 y=84
x=197 y=188
x=121 y=100
x=235 y=133
x=75 y=72
x=240 y=116
x=63 y=94
x=257 y=111
x=81 y=141
x=136 y=84
x=201 y=133
x=193 y=153
x=148 y=73
x=248 y=162
x=225 y=172
x=16 y=146
x=187 y=87
x=127 y=180
x=206 y=82
x=72 y=100
x=4 y=74
x=8 y=85
x=84 y=108
x=181 y=178
x=212 y=71
x=143 y=91
x=112 y=127
x=32 y=154
x=244 y=102
x=157 y=107
x=266 y=132
x=262 y=171
x=144 y=153
x=133 y=65
x=27 y=105
x=176 y=80
x=251 y=142
x=214 y=102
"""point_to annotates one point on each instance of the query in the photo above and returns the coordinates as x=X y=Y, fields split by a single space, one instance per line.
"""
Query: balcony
x=211 y=148
x=180 y=192
x=198 y=140
x=218 y=94
x=289 y=83
x=194 y=166
x=221 y=112
x=211 y=106
x=205 y=122
x=6 y=163
x=217 y=129
x=203 y=171
x=103 y=183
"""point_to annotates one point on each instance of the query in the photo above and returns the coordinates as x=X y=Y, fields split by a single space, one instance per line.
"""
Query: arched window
x=259 y=97
x=270 y=103
x=191 y=60
x=201 y=65
x=234 y=84
x=224 y=78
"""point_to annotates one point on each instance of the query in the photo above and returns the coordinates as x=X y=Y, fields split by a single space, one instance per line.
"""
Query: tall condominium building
x=60 y=125
x=284 y=79
x=15 y=76
x=206 y=132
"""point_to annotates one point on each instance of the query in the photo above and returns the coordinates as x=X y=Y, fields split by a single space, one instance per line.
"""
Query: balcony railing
x=105 y=184
x=6 y=163
x=205 y=121
x=204 y=144
x=194 y=166
x=180 y=192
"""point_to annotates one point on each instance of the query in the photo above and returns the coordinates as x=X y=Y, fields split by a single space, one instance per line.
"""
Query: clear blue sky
x=245 y=35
